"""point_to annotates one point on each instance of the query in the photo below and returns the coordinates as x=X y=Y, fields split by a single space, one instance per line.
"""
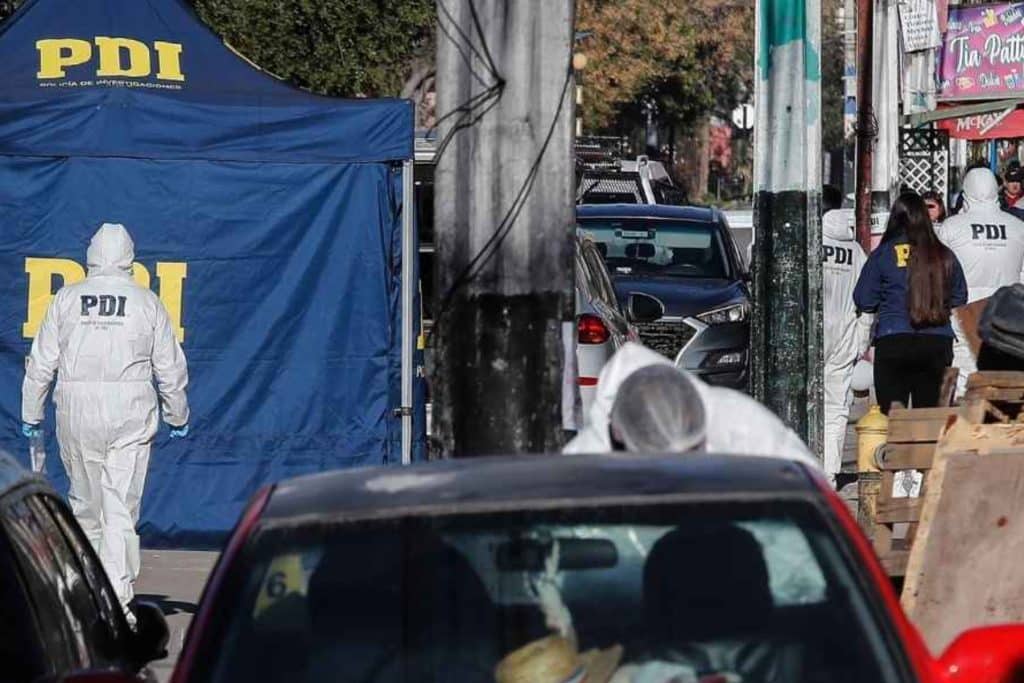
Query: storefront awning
x=978 y=121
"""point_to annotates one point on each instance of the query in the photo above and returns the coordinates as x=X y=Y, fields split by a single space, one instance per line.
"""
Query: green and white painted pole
x=787 y=343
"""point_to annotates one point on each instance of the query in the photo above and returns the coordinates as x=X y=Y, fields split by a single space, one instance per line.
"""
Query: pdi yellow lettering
x=168 y=57
x=111 y=50
x=902 y=255
x=172 y=281
x=41 y=290
x=170 y=275
x=57 y=54
x=140 y=275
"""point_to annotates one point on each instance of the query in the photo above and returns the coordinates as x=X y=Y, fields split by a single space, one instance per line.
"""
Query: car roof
x=13 y=474
x=700 y=214
x=495 y=483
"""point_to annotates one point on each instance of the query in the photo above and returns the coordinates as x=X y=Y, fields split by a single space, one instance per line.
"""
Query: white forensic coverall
x=846 y=336
x=989 y=243
x=736 y=423
x=106 y=339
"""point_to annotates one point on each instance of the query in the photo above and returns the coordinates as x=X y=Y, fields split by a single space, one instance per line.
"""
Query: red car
x=580 y=568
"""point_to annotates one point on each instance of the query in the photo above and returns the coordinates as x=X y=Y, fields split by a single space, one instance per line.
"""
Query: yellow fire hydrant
x=872 y=431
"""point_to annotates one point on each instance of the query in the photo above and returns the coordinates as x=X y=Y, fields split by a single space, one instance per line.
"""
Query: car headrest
x=705 y=582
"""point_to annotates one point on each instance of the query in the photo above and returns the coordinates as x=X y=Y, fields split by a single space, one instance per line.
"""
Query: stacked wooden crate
x=962 y=571
x=910 y=449
x=994 y=397
x=891 y=519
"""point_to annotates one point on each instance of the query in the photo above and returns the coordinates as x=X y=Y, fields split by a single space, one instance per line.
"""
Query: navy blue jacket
x=882 y=289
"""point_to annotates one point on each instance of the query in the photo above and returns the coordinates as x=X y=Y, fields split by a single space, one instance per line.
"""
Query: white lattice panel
x=924 y=160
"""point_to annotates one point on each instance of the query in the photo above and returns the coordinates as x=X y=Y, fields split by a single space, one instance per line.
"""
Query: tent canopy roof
x=147 y=79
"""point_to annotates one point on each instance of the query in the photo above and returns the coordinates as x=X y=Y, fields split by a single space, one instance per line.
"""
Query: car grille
x=667 y=337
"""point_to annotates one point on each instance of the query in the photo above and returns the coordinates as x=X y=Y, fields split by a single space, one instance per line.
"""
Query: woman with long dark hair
x=912 y=282
x=936 y=207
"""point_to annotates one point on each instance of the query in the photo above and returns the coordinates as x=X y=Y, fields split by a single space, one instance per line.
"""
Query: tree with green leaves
x=7 y=8
x=832 y=76
x=687 y=58
x=342 y=48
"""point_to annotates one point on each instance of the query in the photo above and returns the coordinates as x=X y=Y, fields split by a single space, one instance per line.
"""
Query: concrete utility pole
x=504 y=217
x=787 y=343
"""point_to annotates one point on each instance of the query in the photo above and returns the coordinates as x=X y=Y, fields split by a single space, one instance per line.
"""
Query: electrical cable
x=484 y=56
x=462 y=52
x=472 y=110
x=469 y=114
x=483 y=39
x=490 y=248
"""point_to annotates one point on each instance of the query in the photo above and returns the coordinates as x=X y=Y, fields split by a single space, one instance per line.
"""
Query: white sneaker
x=129 y=616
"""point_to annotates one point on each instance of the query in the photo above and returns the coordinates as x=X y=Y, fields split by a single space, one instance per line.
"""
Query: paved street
x=174 y=580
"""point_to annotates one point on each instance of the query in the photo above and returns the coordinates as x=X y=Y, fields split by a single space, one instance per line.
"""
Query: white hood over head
x=838 y=224
x=734 y=422
x=630 y=358
x=980 y=189
x=111 y=251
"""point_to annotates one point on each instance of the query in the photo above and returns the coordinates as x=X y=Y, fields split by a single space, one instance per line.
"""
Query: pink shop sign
x=982 y=56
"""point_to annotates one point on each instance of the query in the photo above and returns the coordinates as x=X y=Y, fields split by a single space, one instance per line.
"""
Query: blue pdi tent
x=267 y=219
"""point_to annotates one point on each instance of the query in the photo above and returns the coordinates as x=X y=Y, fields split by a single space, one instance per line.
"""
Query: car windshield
x=654 y=593
x=662 y=247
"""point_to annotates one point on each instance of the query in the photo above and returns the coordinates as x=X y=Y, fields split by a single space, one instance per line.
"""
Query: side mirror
x=643 y=308
x=149 y=641
x=993 y=654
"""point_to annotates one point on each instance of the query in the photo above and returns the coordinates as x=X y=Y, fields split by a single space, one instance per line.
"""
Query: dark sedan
x=686 y=260
x=59 y=617
x=695 y=568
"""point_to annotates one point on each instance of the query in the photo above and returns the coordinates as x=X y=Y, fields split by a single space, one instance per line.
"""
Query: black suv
x=683 y=263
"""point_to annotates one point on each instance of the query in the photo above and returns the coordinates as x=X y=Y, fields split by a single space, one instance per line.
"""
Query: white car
x=622 y=181
x=601 y=324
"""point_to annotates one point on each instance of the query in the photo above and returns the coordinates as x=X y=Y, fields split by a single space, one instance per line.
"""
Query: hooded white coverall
x=736 y=423
x=106 y=338
x=989 y=243
x=846 y=336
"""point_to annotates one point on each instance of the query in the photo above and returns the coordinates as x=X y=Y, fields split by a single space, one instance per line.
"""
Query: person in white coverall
x=989 y=243
x=733 y=423
x=846 y=336
x=106 y=339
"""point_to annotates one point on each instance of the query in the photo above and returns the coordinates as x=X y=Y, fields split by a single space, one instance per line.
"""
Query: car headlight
x=735 y=313
x=724 y=359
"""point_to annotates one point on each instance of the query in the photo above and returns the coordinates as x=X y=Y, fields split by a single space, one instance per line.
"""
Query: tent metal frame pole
x=408 y=314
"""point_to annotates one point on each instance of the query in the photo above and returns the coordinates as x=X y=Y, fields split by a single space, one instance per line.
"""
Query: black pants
x=991 y=358
x=909 y=369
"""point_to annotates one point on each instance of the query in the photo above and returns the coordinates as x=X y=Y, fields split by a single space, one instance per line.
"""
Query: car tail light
x=591 y=330
x=239 y=537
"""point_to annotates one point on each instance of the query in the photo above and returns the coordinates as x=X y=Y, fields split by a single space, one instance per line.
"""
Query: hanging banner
x=983 y=53
x=920 y=23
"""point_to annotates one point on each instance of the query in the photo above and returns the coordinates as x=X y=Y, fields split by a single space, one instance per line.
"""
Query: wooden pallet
x=994 y=397
x=892 y=522
x=960 y=572
x=910 y=446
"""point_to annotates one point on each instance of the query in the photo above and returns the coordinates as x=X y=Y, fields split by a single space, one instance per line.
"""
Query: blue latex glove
x=179 y=432
x=30 y=431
